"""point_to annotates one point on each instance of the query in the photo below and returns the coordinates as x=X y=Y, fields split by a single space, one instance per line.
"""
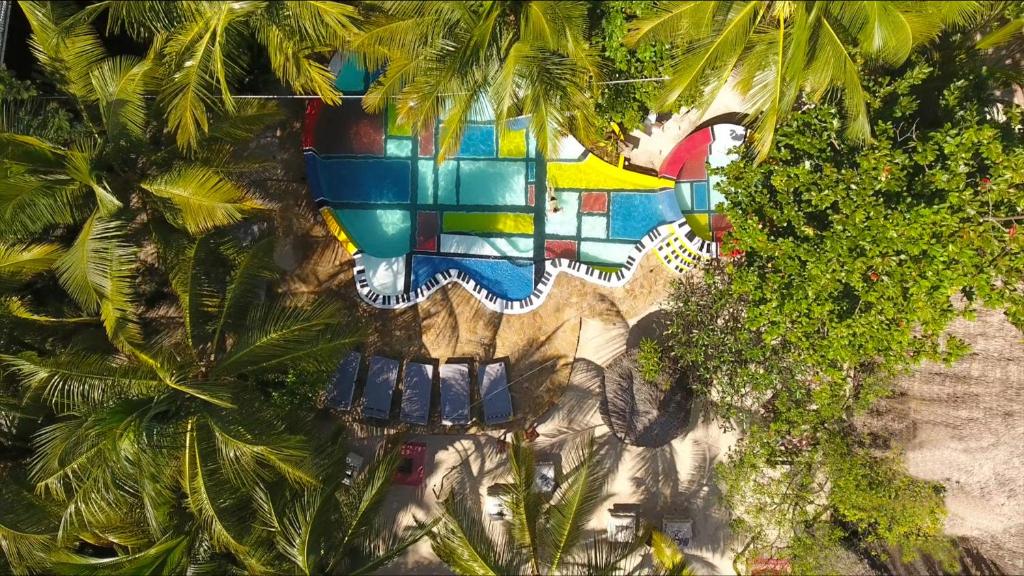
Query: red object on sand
x=309 y=125
x=410 y=467
x=770 y=567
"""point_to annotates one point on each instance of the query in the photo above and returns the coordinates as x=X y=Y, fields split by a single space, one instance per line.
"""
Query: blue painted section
x=352 y=76
x=700 y=195
x=313 y=174
x=503 y=278
x=477 y=142
x=634 y=214
x=381 y=233
x=370 y=180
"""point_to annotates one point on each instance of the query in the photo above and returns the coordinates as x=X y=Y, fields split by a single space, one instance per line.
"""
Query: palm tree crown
x=776 y=51
x=544 y=535
x=455 y=60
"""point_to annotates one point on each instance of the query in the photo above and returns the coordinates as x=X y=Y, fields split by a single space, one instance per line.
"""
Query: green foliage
x=649 y=360
x=22 y=111
x=877 y=498
x=855 y=259
x=777 y=53
x=629 y=103
x=546 y=533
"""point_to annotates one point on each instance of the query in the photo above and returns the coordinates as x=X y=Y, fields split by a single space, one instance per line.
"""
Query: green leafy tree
x=854 y=260
x=455 y=61
x=780 y=52
x=542 y=536
x=628 y=103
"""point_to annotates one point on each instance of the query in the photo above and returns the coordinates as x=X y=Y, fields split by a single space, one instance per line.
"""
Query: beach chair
x=417 y=381
x=343 y=383
x=494 y=393
x=455 y=394
x=380 y=385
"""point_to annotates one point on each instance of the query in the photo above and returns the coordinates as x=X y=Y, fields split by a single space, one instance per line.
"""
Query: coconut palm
x=81 y=204
x=457 y=61
x=543 y=535
x=166 y=458
x=199 y=49
x=776 y=52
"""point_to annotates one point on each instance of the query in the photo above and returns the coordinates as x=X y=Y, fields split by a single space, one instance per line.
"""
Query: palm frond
x=363 y=500
x=27 y=530
x=97 y=272
x=275 y=334
x=19 y=309
x=575 y=502
x=31 y=203
x=461 y=541
x=304 y=528
x=79 y=163
x=72 y=381
x=199 y=199
x=524 y=503
x=66 y=46
x=1002 y=35
x=29 y=151
x=190 y=277
x=245 y=123
x=216 y=502
x=253 y=266
x=18 y=262
x=385 y=550
x=121 y=84
x=244 y=457
x=169 y=556
x=668 y=556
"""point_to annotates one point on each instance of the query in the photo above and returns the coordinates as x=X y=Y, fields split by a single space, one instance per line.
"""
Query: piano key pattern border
x=680 y=230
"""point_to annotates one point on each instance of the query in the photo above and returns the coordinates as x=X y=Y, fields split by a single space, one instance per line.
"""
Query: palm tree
x=544 y=535
x=199 y=47
x=458 y=60
x=166 y=457
x=776 y=52
x=88 y=198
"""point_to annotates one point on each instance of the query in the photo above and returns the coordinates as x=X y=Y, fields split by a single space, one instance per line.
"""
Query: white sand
x=670 y=480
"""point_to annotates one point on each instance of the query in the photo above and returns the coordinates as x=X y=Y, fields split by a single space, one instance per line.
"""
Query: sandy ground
x=671 y=480
x=963 y=426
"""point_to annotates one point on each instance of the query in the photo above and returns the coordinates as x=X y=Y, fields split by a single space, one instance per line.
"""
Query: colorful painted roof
x=497 y=217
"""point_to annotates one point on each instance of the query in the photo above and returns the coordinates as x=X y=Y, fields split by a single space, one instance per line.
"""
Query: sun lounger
x=416 y=384
x=494 y=393
x=455 y=394
x=380 y=384
x=343 y=384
